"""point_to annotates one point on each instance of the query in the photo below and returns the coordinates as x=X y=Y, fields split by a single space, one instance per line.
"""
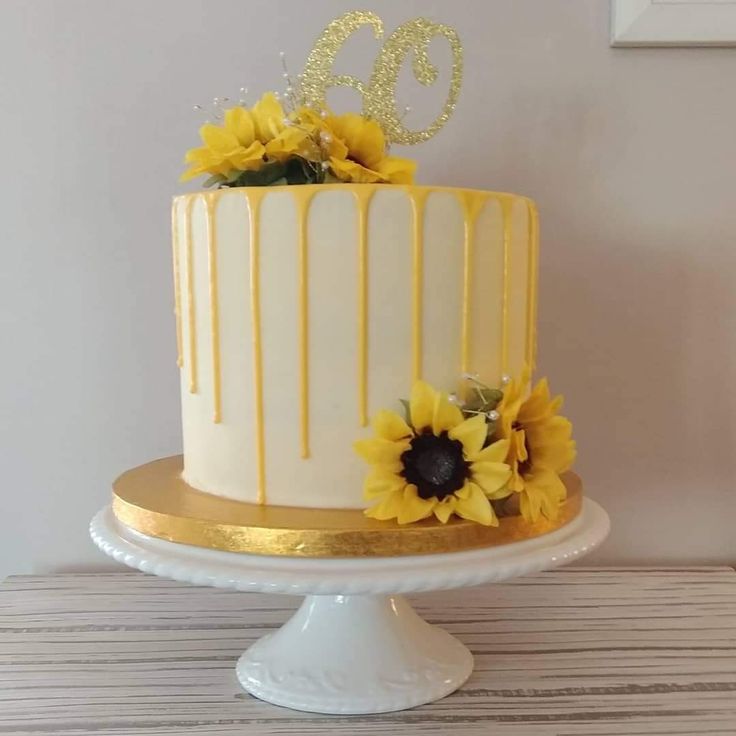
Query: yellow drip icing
x=418 y=198
x=471 y=204
x=254 y=203
x=191 y=312
x=302 y=202
x=177 y=284
x=363 y=198
x=210 y=205
x=506 y=206
x=531 y=309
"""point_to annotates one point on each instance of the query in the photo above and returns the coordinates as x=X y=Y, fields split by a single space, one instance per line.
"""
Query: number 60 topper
x=379 y=95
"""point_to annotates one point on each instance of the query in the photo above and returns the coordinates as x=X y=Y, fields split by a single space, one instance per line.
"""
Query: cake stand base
x=354 y=646
x=354 y=654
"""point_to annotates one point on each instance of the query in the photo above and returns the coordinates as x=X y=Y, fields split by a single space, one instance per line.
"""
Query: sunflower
x=434 y=463
x=245 y=140
x=230 y=147
x=540 y=446
x=357 y=152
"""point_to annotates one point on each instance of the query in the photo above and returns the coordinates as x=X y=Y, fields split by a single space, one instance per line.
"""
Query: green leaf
x=407 y=411
x=301 y=171
x=214 y=179
x=483 y=398
x=265 y=176
x=295 y=170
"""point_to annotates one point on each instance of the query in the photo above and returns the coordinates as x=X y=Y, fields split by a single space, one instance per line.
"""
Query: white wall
x=630 y=154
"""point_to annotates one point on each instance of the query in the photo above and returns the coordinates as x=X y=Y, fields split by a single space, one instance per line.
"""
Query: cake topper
x=294 y=138
x=379 y=95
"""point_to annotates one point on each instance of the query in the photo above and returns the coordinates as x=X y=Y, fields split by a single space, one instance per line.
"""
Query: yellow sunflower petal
x=290 y=142
x=351 y=171
x=517 y=445
x=502 y=492
x=472 y=433
x=396 y=170
x=421 y=405
x=239 y=122
x=445 y=508
x=539 y=406
x=491 y=477
x=529 y=506
x=445 y=415
x=217 y=139
x=558 y=457
x=364 y=138
x=268 y=117
x=516 y=481
x=495 y=453
x=551 y=444
x=413 y=507
x=247 y=158
x=476 y=507
x=463 y=492
x=548 y=491
x=549 y=507
x=377 y=451
x=380 y=482
x=390 y=426
x=198 y=155
x=388 y=508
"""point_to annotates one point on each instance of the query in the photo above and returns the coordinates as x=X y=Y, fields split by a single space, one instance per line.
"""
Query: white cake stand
x=355 y=645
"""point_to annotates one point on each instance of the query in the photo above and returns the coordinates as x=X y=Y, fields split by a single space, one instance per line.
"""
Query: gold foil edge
x=154 y=500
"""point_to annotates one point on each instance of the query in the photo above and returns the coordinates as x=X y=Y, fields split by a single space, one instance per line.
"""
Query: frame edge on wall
x=673 y=23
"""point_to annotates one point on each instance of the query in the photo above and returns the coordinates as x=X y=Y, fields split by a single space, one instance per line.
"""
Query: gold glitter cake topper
x=379 y=95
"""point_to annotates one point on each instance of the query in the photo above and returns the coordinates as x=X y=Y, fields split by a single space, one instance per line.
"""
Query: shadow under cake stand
x=355 y=645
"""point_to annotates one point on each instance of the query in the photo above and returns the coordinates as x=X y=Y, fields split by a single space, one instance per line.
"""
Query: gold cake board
x=154 y=500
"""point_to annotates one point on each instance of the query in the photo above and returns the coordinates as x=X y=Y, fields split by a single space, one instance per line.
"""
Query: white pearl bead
x=505 y=379
x=493 y=415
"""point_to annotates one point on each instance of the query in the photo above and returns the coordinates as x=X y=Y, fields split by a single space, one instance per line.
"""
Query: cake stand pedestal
x=355 y=645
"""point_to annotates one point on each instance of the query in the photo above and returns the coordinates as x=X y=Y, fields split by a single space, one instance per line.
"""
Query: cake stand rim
x=349 y=576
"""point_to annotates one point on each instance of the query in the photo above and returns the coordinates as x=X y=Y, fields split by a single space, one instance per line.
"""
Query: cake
x=304 y=310
x=316 y=286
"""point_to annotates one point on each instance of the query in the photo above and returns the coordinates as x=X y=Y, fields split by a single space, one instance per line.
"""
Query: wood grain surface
x=599 y=652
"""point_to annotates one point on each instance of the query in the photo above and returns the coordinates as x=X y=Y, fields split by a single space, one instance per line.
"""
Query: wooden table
x=575 y=651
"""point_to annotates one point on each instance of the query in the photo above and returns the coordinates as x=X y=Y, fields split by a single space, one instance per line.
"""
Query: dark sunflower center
x=435 y=465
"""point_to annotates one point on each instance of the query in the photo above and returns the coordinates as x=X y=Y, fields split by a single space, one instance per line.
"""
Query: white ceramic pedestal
x=355 y=645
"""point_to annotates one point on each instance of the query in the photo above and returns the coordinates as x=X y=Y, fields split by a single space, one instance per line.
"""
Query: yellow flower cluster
x=438 y=462
x=540 y=446
x=351 y=147
x=435 y=464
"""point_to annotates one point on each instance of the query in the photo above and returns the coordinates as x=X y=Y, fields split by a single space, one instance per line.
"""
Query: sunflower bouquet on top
x=288 y=142
x=497 y=452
